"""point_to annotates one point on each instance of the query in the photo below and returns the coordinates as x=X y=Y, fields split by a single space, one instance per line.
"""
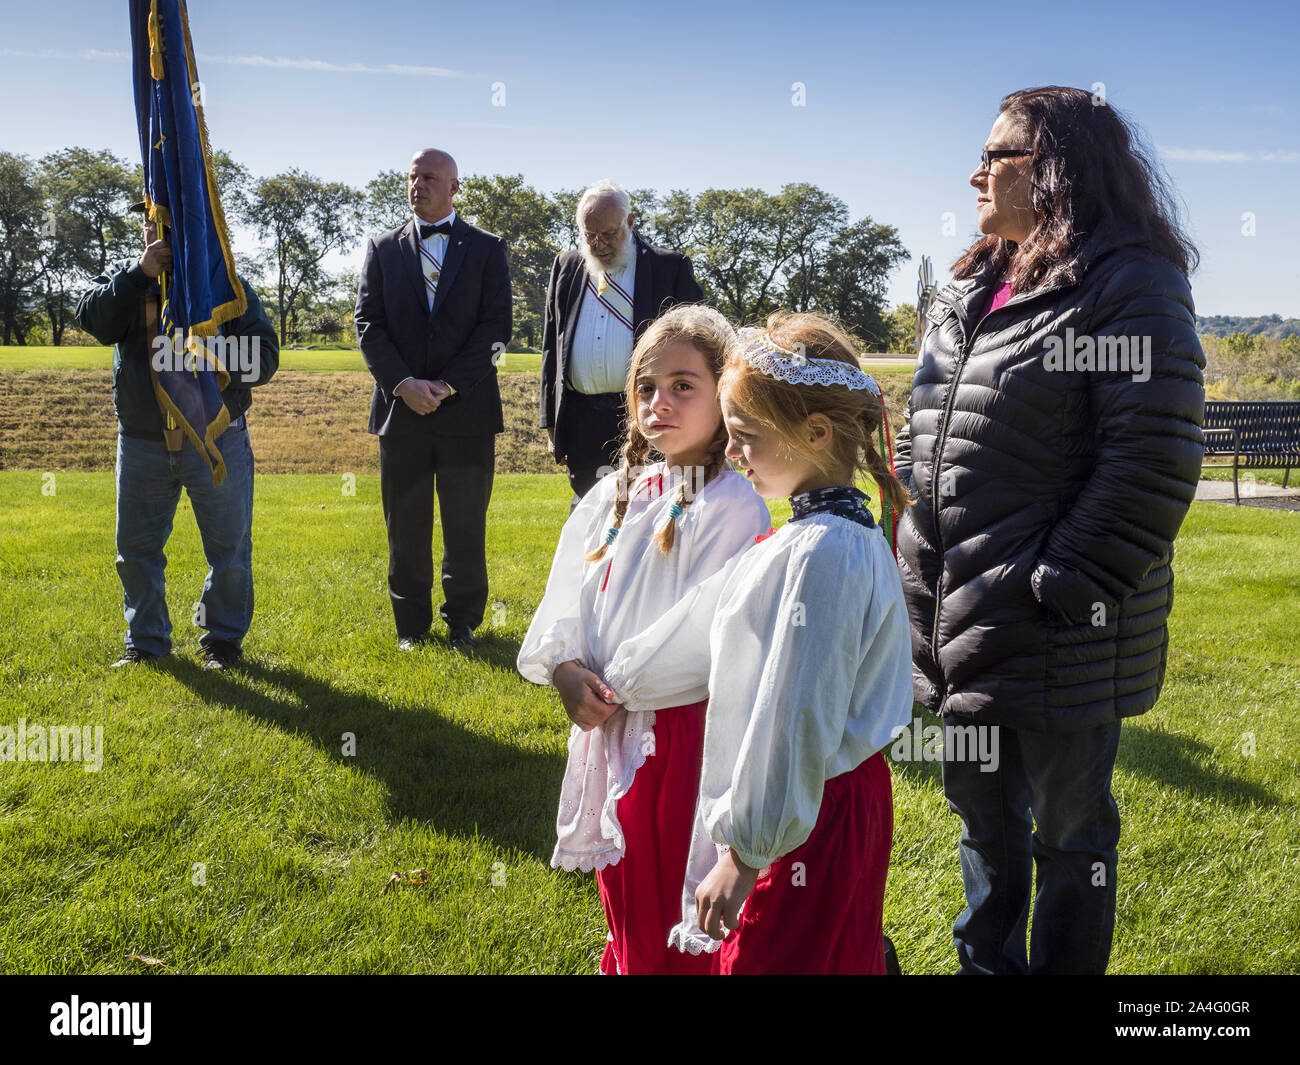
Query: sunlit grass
x=233 y=828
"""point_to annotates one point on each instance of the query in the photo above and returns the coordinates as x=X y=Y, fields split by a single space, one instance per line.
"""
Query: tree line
x=1271 y=326
x=63 y=221
x=1254 y=367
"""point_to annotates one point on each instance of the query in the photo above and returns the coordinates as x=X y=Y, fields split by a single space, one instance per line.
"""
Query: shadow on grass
x=1166 y=758
x=1180 y=762
x=496 y=651
x=460 y=782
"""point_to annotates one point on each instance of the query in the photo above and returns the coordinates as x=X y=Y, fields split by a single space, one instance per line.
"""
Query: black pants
x=460 y=468
x=593 y=437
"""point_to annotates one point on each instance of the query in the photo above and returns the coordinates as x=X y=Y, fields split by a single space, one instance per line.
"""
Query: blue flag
x=202 y=291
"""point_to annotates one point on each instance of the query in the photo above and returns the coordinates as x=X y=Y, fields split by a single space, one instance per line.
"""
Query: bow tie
x=429 y=229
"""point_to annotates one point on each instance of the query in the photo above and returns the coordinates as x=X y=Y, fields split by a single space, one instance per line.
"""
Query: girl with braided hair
x=672 y=515
x=803 y=648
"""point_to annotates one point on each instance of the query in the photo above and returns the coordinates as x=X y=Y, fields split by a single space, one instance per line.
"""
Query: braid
x=667 y=536
x=711 y=335
x=891 y=488
x=636 y=449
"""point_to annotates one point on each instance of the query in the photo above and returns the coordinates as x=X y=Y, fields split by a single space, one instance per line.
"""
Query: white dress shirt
x=437 y=244
x=803 y=647
x=602 y=345
x=590 y=607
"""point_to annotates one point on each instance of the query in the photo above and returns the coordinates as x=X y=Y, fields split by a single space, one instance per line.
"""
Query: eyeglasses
x=987 y=156
x=609 y=236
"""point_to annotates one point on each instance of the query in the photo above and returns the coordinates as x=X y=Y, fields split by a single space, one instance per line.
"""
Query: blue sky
x=899 y=100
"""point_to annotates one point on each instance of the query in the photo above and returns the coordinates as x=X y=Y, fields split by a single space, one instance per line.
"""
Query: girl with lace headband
x=643 y=537
x=803 y=648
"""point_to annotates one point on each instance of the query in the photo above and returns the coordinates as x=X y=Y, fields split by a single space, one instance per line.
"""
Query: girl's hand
x=587 y=699
x=719 y=898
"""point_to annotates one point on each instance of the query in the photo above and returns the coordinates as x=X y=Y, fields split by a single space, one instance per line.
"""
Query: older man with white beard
x=600 y=300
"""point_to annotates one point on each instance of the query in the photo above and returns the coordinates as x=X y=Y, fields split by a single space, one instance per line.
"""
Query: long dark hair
x=1091 y=171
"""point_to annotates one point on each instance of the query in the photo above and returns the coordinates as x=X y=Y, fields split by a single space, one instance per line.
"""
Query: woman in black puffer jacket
x=1053 y=444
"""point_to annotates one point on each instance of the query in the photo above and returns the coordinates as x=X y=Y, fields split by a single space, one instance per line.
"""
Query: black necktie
x=429 y=229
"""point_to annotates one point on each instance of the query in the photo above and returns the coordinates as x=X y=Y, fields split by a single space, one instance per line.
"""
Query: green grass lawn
x=324 y=361
x=229 y=831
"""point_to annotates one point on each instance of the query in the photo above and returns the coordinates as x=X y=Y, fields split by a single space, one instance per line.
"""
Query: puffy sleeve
x=731 y=520
x=1149 y=443
x=558 y=632
x=668 y=663
x=781 y=691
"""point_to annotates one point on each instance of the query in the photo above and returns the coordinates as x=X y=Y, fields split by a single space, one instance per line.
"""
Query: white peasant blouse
x=803 y=646
x=589 y=608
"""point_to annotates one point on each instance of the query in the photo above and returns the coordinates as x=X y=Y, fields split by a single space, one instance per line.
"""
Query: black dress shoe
x=410 y=643
x=221 y=655
x=133 y=656
x=892 y=967
x=461 y=638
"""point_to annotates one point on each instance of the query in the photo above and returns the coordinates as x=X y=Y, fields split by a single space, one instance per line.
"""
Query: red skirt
x=820 y=908
x=642 y=893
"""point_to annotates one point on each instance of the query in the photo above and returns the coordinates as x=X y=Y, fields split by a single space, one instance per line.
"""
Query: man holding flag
x=190 y=339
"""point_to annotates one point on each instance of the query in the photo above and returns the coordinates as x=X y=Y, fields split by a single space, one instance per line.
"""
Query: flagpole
x=171 y=427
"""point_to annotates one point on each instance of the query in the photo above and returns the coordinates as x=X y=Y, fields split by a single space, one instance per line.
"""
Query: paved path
x=1253 y=494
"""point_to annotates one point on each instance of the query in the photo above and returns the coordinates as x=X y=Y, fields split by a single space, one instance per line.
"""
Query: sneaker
x=133 y=656
x=221 y=655
x=410 y=643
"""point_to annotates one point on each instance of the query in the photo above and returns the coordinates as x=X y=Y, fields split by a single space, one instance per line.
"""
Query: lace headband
x=768 y=357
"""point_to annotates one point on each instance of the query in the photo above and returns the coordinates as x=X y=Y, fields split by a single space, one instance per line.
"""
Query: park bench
x=1256 y=435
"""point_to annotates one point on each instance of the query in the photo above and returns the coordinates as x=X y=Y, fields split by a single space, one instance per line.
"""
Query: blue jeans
x=149 y=482
x=1047 y=807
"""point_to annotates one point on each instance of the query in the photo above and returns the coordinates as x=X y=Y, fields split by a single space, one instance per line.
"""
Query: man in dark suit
x=433 y=316
x=600 y=300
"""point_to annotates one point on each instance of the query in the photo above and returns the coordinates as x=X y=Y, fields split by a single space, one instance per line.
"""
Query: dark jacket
x=1036 y=562
x=113 y=312
x=459 y=341
x=663 y=278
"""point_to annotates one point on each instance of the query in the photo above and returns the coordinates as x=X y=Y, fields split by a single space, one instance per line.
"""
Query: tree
x=739 y=241
x=234 y=185
x=386 y=206
x=1289 y=357
x=22 y=218
x=65 y=242
x=754 y=252
x=646 y=209
x=564 y=203
x=900 y=324
x=1243 y=347
x=857 y=269
x=303 y=219
x=87 y=225
x=329 y=314
x=503 y=204
x=94 y=189
x=818 y=219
